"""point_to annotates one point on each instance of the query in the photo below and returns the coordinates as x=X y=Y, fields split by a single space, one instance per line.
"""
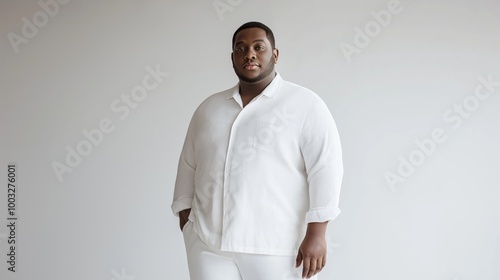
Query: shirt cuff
x=181 y=204
x=320 y=215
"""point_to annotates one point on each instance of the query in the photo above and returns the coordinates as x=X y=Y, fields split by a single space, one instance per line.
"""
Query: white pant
x=209 y=264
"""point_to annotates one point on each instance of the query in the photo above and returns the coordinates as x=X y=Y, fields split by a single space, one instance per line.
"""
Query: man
x=259 y=175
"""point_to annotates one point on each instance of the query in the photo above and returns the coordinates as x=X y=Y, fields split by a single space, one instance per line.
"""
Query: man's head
x=256 y=24
x=254 y=54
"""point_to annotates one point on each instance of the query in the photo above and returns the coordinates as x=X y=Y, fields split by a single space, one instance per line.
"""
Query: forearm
x=316 y=229
x=184 y=182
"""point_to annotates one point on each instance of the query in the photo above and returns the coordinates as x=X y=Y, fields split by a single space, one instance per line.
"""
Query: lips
x=250 y=65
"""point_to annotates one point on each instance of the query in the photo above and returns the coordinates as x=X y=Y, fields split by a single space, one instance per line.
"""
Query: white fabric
x=255 y=176
x=206 y=263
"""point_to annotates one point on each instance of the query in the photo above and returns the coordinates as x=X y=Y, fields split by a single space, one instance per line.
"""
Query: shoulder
x=301 y=95
x=214 y=101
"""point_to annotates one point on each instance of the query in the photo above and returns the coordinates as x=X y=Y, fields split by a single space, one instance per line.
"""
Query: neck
x=254 y=89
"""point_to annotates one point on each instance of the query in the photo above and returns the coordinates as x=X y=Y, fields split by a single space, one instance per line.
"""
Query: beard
x=268 y=70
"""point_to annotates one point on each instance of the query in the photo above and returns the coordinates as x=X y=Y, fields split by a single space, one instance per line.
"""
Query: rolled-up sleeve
x=320 y=146
x=184 y=183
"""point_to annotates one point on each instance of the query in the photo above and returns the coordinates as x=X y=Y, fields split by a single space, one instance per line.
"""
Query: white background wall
x=110 y=217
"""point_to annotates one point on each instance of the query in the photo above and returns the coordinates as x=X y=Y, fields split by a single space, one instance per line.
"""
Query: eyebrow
x=258 y=40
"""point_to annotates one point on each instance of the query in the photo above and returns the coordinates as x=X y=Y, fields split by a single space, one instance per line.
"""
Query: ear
x=232 y=61
x=276 y=54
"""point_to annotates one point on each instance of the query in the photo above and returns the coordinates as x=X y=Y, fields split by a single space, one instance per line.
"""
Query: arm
x=321 y=150
x=184 y=183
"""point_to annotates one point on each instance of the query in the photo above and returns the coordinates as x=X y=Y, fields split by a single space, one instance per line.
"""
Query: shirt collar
x=269 y=91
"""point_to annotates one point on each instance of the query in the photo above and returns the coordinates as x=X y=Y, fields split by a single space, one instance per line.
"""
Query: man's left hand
x=312 y=251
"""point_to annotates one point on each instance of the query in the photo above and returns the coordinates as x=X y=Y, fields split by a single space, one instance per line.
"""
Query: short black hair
x=252 y=24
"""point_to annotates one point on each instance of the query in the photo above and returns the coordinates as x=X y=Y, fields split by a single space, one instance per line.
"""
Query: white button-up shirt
x=254 y=176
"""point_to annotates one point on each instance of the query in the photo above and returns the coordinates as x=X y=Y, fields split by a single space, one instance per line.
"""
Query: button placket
x=227 y=171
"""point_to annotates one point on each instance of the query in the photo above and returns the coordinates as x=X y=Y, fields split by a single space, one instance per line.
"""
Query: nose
x=250 y=54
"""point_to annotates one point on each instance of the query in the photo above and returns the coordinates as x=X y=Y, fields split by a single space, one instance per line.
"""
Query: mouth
x=250 y=66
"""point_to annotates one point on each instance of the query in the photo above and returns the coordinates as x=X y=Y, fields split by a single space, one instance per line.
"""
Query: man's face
x=253 y=56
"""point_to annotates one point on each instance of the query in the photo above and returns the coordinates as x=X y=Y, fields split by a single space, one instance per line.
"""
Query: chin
x=250 y=79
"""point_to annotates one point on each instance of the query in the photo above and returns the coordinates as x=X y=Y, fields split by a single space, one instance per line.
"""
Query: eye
x=239 y=49
x=259 y=47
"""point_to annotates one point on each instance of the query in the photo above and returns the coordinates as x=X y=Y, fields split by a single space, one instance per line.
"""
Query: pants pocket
x=185 y=227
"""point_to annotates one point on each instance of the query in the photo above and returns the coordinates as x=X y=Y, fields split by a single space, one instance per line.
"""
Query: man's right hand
x=183 y=217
